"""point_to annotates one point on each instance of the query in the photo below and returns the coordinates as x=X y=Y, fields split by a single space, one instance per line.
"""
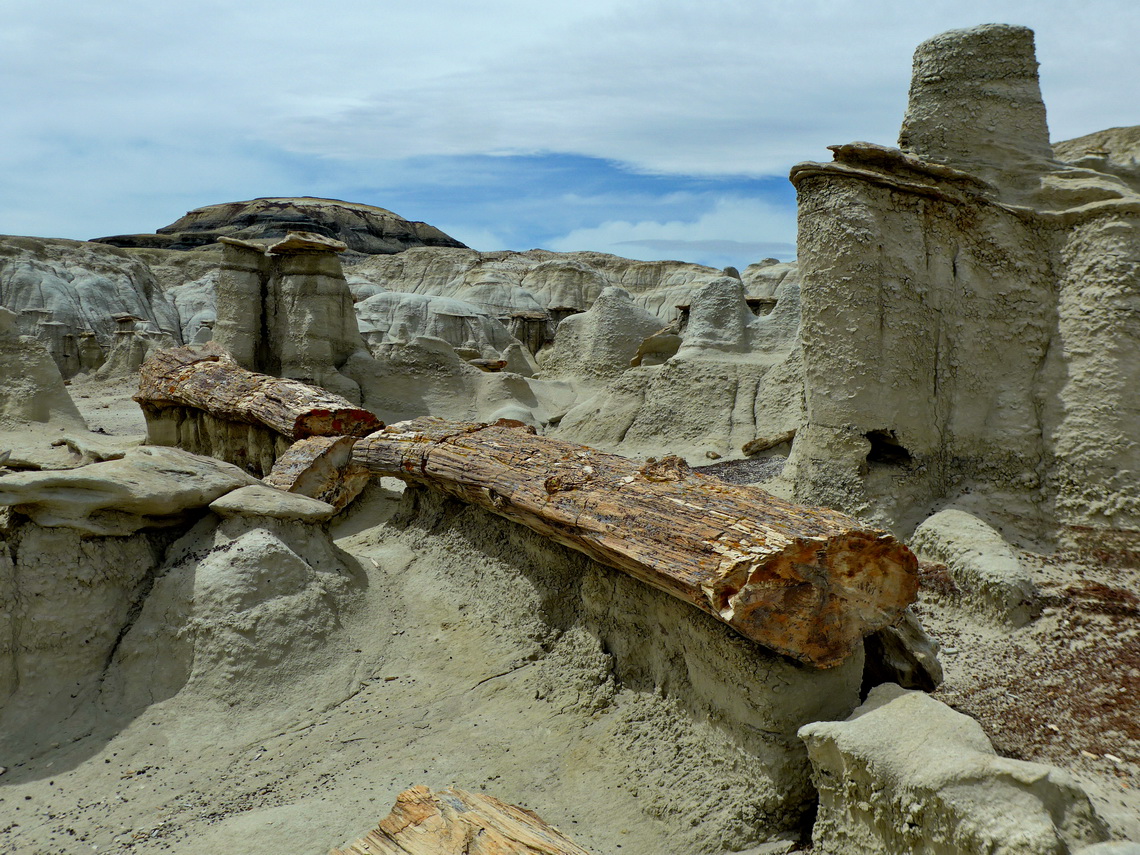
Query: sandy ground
x=434 y=700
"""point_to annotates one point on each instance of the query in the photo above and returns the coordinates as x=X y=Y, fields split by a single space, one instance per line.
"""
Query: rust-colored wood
x=806 y=582
x=455 y=822
x=209 y=379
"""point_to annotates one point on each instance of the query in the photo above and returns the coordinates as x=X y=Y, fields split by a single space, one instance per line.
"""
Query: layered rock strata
x=965 y=308
x=285 y=310
x=364 y=228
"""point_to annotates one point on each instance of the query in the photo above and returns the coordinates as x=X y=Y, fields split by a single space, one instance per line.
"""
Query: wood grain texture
x=455 y=822
x=805 y=582
x=320 y=467
x=208 y=379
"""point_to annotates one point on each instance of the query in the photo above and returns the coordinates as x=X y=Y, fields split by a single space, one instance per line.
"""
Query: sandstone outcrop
x=286 y=310
x=31 y=387
x=82 y=299
x=148 y=487
x=905 y=773
x=966 y=313
x=400 y=316
x=602 y=341
x=985 y=569
x=260 y=501
x=364 y=228
x=734 y=376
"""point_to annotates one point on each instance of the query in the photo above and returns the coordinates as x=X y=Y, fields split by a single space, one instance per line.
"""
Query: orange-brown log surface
x=806 y=582
x=209 y=379
x=455 y=822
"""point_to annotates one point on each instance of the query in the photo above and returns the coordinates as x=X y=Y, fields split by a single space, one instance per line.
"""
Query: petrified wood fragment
x=208 y=379
x=806 y=582
x=455 y=822
x=320 y=467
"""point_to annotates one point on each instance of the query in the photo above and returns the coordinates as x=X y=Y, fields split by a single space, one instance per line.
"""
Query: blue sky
x=646 y=128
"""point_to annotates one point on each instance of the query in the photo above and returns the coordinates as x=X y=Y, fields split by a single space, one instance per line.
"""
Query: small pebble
x=1113 y=758
x=950 y=651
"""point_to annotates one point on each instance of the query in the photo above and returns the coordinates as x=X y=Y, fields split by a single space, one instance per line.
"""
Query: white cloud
x=725 y=87
x=736 y=231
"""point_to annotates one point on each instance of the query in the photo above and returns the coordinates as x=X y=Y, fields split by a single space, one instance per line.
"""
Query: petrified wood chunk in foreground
x=806 y=582
x=209 y=379
x=320 y=467
x=455 y=822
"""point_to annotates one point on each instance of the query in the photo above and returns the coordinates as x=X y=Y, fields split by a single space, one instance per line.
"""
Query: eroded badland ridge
x=237 y=612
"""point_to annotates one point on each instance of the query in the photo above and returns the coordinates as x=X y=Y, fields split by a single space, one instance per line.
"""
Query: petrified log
x=806 y=582
x=763 y=443
x=455 y=822
x=209 y=379
x=320 y=467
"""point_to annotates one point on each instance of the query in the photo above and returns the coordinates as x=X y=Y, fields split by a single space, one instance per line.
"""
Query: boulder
x=239 y=609
x=905 y=773
x=984 y=567
x=258 y=500
x=148 y=487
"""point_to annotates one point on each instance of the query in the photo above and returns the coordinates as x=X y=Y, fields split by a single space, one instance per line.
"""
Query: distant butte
x=364 y=228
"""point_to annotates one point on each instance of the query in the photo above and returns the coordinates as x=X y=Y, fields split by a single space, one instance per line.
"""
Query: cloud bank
x=468 y=115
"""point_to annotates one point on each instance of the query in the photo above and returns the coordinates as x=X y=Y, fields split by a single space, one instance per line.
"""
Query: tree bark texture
x=320 y=467
x=805 y=582
x=209 y=379
x=455 y=822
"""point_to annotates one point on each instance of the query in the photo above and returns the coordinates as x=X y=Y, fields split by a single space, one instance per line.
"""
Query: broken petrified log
x=455 y=822
x=209 y=379
x=763 y=443
x=320 y=467
x=806 y=582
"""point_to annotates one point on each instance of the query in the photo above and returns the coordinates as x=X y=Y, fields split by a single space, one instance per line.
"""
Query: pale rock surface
x=31 y=387
x=190 y=282
x=239 y=610
x=601 y=341
x=984 y=567
x=257 y=500
x=286 y=310
x=448 y=387
x=394 y=315
x=1114 y=151
x=509 y=283
x=966 y=320
x=1117 y=847
x=734 y=377
x=63 y=290
x=65 y=597
x=975 y=102
x=149 y=486
x=905 y=773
